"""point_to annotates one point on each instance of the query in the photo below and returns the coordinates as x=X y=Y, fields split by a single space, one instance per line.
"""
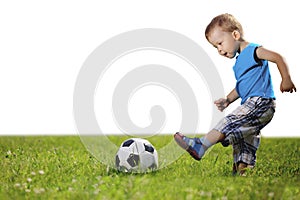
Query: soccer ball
x=136 y=155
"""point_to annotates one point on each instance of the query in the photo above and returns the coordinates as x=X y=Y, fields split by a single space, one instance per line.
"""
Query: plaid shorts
x=242 y=128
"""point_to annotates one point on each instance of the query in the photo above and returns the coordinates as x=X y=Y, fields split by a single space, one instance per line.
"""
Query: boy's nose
x=221 y=52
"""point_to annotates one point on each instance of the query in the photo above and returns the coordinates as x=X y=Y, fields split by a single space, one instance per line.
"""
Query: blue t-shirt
x=252 y=75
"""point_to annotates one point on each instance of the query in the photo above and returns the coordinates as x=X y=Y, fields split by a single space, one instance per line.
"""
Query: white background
x=44 y=44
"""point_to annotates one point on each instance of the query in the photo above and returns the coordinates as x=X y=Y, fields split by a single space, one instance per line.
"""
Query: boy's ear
x=236 y=35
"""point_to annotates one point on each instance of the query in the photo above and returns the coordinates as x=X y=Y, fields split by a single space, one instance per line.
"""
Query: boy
x=241 y=128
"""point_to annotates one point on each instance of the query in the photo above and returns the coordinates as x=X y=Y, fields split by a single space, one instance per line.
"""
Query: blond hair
x=226 y=22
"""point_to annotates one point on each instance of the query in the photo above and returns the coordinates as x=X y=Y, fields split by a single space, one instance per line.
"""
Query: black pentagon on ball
x=133 y=160
x=149 y=148
x=117 y=161
x=127 y=143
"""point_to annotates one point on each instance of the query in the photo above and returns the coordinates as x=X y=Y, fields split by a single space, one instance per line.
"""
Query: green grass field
x=60 y=167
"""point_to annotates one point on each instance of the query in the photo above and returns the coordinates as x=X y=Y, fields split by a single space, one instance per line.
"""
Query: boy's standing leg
x=244 y=154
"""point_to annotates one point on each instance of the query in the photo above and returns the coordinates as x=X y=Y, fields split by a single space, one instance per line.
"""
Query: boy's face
x=226 y=42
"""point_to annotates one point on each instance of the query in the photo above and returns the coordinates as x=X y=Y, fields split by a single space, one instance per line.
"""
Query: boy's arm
x=232 y=96
x=287 y=84
x=224 y=103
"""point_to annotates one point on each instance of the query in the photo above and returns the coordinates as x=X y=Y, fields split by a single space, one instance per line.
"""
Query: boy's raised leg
x=196 y=147
x=192 y=145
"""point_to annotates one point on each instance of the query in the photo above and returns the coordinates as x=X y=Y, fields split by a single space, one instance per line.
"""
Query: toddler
x=241 y=128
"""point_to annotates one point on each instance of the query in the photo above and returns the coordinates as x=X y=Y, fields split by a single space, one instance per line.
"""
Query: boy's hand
x=222 y=104
x=287 y=85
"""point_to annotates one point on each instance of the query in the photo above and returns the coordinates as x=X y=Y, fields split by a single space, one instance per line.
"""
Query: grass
x=60 y=167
